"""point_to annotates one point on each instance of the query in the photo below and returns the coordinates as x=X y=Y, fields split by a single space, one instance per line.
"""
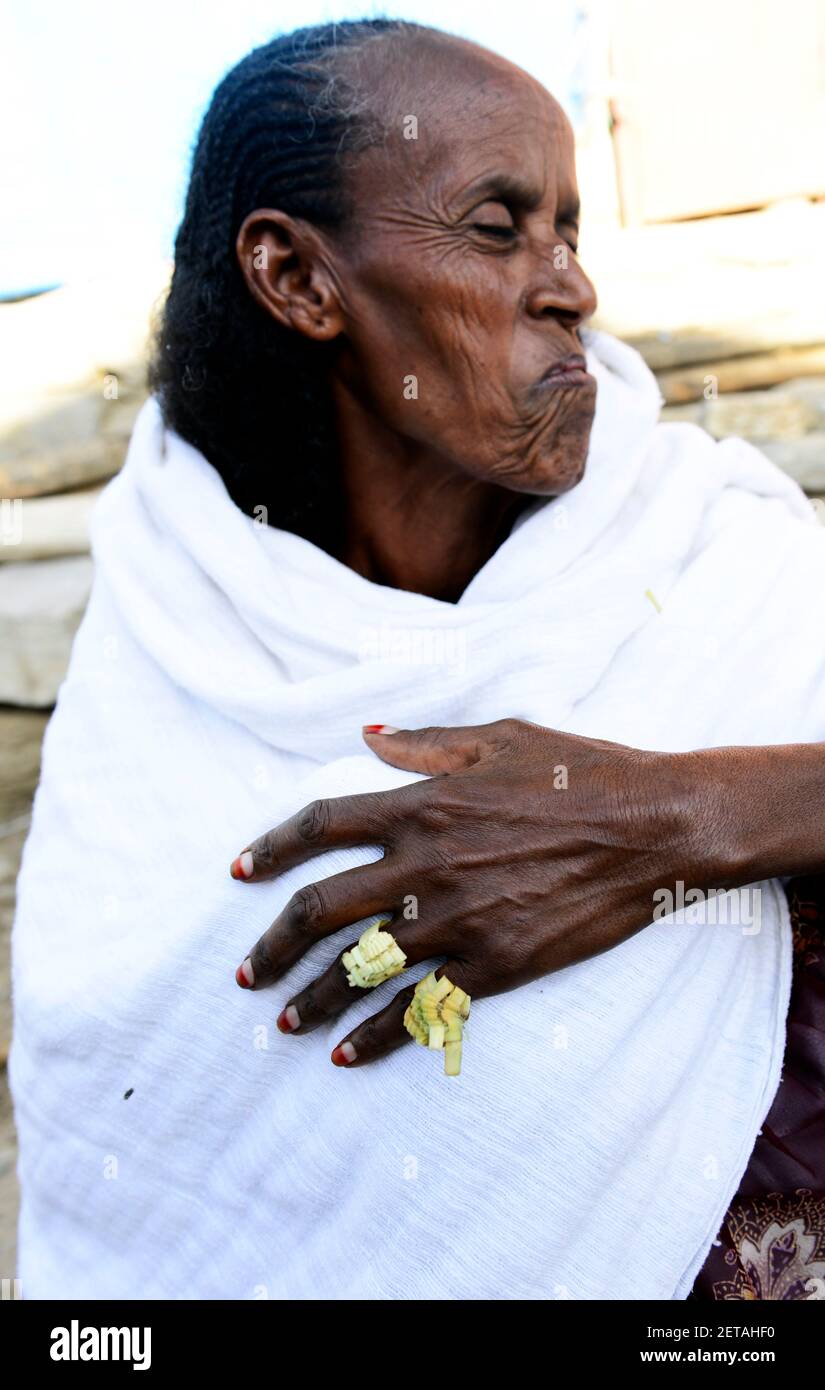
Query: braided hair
x=252 y=395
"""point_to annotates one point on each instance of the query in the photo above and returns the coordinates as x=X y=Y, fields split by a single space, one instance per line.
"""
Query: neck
x=411 y=522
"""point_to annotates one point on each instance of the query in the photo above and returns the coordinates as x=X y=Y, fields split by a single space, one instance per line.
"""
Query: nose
x=561 y=289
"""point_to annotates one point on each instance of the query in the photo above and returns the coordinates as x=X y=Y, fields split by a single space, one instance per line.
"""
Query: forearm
x=765 y=810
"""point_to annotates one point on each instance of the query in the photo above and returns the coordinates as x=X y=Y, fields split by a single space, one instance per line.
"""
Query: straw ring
x=376 y=957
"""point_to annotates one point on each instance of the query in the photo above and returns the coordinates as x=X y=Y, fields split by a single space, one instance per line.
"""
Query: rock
x=811 y=389
x=803 y=459
x=72 y=379
x=21 y=736
x=41 y=605
x=761 y=369
x=759 y=415
x=11 y=850
x=693 y=413
x=77 y=441
x=787 y=423
x=785 y=412
x=60 y=344
x=9 y=1194
x=40 y=528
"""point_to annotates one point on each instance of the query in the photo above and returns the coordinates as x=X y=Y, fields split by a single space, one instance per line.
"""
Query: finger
x=332 y=992
x=330 y=823
x=315 y=911
x=385 y=1031
x=434 y=750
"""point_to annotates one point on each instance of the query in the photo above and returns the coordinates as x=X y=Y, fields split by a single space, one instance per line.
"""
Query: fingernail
x=244 y=974
x=379 y=729
x=243 y=866
x=289 y=1020
x=343 y=1054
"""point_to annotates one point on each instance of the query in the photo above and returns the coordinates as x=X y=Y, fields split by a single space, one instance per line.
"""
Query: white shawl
x=605 y=1114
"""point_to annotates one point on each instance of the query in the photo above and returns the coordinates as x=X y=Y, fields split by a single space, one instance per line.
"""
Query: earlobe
x=284 y=274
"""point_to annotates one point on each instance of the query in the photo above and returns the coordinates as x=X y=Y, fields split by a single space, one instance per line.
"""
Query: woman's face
x=458 y=282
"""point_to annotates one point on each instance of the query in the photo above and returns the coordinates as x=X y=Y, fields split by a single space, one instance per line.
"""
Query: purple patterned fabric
x=772 y=1241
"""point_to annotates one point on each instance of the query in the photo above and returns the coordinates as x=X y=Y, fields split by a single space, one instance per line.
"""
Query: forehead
x=475 y=114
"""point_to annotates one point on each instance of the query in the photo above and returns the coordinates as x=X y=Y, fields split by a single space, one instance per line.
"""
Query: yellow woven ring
x=376 y=957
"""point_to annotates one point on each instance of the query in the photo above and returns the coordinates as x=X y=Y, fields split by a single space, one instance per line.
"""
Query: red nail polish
x=243 y=866
x=343 y=1054
x=245 y=976
x=373 y=728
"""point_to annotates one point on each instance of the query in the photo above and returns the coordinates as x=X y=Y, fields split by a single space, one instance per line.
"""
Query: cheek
x=435 y=357
x=438 y=361
x=466 y=340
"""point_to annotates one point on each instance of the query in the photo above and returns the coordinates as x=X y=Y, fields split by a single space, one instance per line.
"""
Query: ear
x=286 y=271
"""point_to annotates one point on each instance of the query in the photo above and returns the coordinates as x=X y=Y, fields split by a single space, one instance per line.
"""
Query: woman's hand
x=526 y=850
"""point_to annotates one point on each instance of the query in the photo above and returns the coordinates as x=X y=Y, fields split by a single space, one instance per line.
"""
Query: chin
x=555 y=460
x=559 y=463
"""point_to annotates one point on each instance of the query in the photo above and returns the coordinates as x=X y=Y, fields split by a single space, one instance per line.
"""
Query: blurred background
x=701 y=155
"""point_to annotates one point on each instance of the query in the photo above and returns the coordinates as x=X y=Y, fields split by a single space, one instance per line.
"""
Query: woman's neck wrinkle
x=412 y=520
x=435 y=551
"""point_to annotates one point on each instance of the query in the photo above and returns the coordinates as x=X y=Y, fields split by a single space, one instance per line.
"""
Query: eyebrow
x=508 y=185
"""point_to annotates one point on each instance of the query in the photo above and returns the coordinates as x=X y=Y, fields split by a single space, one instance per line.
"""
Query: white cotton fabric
x=604 y=1114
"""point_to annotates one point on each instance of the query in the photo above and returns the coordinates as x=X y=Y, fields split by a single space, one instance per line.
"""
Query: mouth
x=568 y=371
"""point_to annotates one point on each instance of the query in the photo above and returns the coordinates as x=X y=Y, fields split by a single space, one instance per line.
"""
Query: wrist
x=759 y=812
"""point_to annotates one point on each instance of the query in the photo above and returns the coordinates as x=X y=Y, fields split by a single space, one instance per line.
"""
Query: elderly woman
x=388 y=474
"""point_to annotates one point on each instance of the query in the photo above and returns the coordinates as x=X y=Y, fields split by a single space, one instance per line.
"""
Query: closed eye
x=495 y=229
x=494 y=218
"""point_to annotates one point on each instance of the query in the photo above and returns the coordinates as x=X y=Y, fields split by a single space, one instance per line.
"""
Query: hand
x=526 y=850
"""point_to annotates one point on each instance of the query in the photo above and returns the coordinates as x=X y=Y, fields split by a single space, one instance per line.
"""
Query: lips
x=572 y=369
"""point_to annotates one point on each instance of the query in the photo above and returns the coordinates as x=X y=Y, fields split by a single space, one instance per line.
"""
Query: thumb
x=433 y=750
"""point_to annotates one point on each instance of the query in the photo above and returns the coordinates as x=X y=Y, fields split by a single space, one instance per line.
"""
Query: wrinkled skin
x=527 y=850
x=450 y=272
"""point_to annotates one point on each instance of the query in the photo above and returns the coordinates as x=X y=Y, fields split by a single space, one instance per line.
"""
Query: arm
x=768 y=810
x=526 y=850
